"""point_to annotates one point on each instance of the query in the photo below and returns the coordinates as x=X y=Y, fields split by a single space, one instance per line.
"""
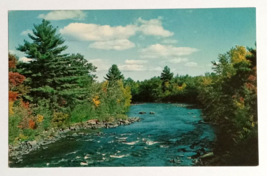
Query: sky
x=143 y=42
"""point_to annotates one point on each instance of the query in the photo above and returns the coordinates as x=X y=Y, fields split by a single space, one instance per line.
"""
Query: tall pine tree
x=114 y=74
x=166 y=77
x=58 y=77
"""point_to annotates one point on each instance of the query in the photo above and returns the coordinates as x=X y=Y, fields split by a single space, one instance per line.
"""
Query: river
x=161 y=139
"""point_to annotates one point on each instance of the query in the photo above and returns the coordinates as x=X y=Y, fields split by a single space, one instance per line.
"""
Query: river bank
x=168 y=135
x=16 y=152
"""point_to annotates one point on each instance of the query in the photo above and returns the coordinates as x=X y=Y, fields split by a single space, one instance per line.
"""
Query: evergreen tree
x=166 y=77
x=114 y=74
x=166 y=74
x=53 y=75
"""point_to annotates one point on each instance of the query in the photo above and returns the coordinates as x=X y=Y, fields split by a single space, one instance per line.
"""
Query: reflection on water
x=170 y=137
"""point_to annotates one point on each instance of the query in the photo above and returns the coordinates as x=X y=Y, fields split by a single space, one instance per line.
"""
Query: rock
x=92 y=121
x=17 y=148
x=207 y=155
x=72 y=128
x=151 y=112
x=142 y=112
x=74 y=134
x=32 y=143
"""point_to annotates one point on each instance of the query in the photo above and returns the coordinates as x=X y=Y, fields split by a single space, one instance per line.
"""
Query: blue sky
x=142 y=42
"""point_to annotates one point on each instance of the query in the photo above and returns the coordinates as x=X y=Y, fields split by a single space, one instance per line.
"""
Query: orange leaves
x=31 y=124
x=12 y=96
x=12 y=61
x=96 y=101
x=252 y=78
x=15 y=78
x=241 y=99
x=25 y=104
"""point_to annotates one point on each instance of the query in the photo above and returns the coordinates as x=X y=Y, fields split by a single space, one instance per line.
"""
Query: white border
x=260 y=5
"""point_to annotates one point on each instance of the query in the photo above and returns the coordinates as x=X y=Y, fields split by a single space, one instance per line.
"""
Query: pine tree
x=166 y=74
x=114 y=74
x=166 y=77
x=58 y=77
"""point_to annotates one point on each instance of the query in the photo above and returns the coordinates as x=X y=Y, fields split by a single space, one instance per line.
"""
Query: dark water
x=152 y=142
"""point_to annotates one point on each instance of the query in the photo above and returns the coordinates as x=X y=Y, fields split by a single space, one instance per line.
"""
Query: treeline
x=228 y=97
x=54 y=90
x=165 y=88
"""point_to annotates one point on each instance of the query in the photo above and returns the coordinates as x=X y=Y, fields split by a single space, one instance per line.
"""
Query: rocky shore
x=25 y=147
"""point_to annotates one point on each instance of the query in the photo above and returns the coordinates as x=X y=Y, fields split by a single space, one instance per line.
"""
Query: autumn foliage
x=15 y=79
x=31 y=124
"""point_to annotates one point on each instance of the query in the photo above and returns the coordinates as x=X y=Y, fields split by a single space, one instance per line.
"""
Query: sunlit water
x=152 y=142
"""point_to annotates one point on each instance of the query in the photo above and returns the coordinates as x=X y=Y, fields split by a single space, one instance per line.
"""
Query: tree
x=166 y=74
x=114 y=74
x=58 y=77
x=166 y=77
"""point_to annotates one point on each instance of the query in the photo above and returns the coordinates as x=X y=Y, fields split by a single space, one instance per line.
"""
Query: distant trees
x=114 y=74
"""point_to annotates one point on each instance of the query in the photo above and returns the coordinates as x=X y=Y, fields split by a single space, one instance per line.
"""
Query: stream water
x=161 y=139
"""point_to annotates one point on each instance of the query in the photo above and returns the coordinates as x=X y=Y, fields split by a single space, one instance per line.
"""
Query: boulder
x=72 y=128
x=32 y=143
x=92 y=121
x=151 y=112
x=142 y=112
x=74 y=134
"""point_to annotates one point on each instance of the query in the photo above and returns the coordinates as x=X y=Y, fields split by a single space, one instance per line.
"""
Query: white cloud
x=153 y=27
x=94 y=32
x=25 y=59
x=28 y=31
x=178 y=60
x=100 y=64
x=169 y=41
x=63 y=15
x=135 y=62
x=106 y=35
x=166 y=51
x=191 y=64
x=113 y=45
x=132 y=67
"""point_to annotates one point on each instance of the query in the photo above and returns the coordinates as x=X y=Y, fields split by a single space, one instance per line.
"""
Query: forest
x=56 y=90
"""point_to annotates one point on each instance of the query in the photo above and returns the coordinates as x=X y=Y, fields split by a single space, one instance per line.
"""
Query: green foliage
x=82 y=112
x=60 y=119
x=13 y=130
x=229 y=98
x=29 y=134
